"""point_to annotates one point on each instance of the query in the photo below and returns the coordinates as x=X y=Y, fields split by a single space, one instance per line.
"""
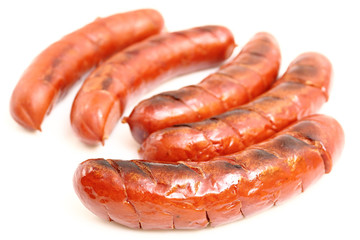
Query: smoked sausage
x=193 y=195
x=103 y=97
x=60 y=65
x=301 y=91
x=248 y=75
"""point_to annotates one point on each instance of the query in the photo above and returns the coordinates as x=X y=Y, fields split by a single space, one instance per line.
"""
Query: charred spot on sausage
x=106 y=83
x=304 y=70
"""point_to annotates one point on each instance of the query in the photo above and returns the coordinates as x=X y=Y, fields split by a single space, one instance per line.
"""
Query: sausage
x=60 y=65
x=103 y=97
x=249 y=74
x=301 y=91
x=192 y=195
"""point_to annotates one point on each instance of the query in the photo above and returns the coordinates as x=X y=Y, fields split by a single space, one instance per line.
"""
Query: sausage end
x=94 y=115
x=29 y=104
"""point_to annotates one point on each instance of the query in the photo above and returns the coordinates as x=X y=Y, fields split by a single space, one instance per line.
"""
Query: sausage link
x=301 y=91
x=102 y=99
x=192 y=195
x=250 y=73
x=60 y=65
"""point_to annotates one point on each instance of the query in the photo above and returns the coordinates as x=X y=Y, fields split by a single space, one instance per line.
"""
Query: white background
x=37 y=200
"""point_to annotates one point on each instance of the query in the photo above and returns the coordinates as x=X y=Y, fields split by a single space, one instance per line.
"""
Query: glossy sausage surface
x=192 y=195
x=60 y=65
x=103 y=97
x=301 y=91
x=248 y=75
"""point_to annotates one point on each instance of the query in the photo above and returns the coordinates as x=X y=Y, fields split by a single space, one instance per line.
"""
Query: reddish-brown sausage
x=301 y=91
x=190 y=195
x=61 y=64
x=248 y=75
x=105 y=93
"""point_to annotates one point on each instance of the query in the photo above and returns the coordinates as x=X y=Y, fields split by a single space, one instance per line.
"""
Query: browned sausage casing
x=191 y=195
x=60 y=65
x=249 y=74
x=301 y=91
x=105 y=93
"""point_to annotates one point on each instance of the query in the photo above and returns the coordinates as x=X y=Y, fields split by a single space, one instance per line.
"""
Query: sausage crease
x=191 y=195
x=102 y=99
x=249 y=74
x=301 y=91
x=60 y=65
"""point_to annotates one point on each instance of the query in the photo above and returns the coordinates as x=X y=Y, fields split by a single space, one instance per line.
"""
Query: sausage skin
x=60 y=65
x=193 y=195
x=248 y=75
x=301 y=91
x=103 y=97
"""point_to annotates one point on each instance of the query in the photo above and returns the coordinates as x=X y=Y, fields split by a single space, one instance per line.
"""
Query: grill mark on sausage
x=305 y=82
x=264 y=154
x=249 y=60
x=246 y=66
x=231 y=164
x=302 y=72
x=272 y=122
x=249 y=96
x=145 y=169
x=132 y=52
x=229 y=125
x=257 y=54
x=261 y=50
x=104 y=163
x=252 y=69
x=265 y=39
x=196 y=169
x=209 y=93
x=105 y=84
x=104 y=26
x=206 y=137
x=318 y=144
x=178 y=99
x=208 y=29
x=54 y=64
x=240 y=110
x=116 y=166
x=305 y=70
x=273 y=95
x=163 y=42
x=182 y=34
x=288 y=143
x=94 y=43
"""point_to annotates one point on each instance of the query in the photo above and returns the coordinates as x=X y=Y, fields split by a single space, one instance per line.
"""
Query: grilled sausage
x=60 y=65
x=300 y=92
x=248 y=75
x=102 y=99
x=191 y=195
